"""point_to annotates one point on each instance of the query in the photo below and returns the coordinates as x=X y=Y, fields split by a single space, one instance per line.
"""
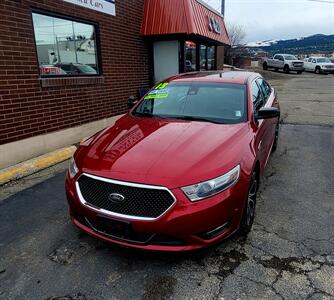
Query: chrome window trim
x=113 y=214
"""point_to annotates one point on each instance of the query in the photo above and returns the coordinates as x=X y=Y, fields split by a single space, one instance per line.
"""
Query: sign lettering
x=104 y=6
x=214 y=25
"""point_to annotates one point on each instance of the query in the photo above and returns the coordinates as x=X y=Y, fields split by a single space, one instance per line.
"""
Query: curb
x=36 y=164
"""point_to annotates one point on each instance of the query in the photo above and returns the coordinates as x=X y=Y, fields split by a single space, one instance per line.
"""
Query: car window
x=257 y=96
x=310 y=60
x=223 y=103
x=314 y=61
x=265 y=88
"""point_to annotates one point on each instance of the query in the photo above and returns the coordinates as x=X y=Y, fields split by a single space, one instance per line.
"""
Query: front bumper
x=186 y=226
x=295 y=68
x=327 y=70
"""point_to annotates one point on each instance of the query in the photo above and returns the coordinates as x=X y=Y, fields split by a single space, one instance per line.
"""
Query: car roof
x=234 y=77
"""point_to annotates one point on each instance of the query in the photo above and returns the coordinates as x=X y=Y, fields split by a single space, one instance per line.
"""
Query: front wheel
x=286 y=69
x=265 y=66
x=299 y=72
x=317 y=70
x=249 y=210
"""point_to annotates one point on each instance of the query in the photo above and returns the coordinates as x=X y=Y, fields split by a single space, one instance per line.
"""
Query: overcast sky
x=279 y=19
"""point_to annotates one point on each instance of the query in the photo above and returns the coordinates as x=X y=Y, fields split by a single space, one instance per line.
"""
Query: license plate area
x=120 y=229
x=113 y=227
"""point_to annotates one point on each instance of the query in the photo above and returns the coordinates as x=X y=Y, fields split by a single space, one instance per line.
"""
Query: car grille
x=138 y=202
x=297 y=64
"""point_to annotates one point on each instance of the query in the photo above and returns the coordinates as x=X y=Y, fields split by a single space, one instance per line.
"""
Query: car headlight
x=211 y=187
x=73 y=169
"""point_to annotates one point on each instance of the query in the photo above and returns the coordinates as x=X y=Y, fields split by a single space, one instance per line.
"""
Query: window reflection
x=211 y=58
x=204 y=58
x=65 y=47
x=190 y=55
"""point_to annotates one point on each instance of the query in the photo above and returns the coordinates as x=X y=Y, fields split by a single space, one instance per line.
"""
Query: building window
x=203 y=58
x=190 y=56
x=65 y=47
x=208 y=58
x=212 y=58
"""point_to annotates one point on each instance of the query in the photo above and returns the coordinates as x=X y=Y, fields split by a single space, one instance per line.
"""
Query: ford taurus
x=181 y=170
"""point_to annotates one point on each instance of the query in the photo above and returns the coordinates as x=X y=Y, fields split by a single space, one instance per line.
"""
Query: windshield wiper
x=143 y=114
x=149 y=115
x=193 y=118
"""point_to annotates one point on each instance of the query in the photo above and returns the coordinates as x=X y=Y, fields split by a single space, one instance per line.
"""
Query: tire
x=317 y=70
x=265 y=66
x=300 y=72
x=248 y=215
x=286 y=69
x=276 y=69
x=273 y=149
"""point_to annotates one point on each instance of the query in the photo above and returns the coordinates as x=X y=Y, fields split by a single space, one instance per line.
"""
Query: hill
x=318 y=43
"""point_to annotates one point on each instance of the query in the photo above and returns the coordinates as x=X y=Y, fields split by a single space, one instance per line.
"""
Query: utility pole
x=223 y=8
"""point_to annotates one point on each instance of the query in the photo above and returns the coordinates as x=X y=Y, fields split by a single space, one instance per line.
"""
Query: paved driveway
x=288 y=255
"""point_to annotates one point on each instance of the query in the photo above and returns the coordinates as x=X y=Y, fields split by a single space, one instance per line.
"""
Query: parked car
x=49 y=70
x=75 y=69
x=285 y=62
x=181 y=170
x=319 y=65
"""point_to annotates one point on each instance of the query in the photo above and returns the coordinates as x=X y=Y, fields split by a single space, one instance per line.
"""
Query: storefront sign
x=214 y=25
x=104 y=6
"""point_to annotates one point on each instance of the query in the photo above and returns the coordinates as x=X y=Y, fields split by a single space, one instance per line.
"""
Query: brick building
x=69 y=66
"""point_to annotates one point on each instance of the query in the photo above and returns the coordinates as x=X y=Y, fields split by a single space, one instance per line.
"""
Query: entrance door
x=166 y=59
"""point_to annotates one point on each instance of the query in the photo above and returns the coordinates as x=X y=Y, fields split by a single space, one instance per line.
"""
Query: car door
x=262 y=126
x=308 y=64
x=264 y=96
x=276 y=61
x=281 y=62
x=270 y=100
x=314 y=64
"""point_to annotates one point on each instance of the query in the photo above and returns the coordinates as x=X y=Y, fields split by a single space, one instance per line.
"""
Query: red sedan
x=181 y=170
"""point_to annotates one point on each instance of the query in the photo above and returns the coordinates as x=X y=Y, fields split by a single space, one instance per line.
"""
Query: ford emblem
x=116 y=198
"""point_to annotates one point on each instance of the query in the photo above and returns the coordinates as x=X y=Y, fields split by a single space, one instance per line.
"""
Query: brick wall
x=28 y=109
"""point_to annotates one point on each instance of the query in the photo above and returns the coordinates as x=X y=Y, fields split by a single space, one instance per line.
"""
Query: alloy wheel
x=251 y=201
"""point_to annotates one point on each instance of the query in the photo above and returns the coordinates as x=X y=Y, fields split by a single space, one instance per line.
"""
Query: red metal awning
x=190 y=17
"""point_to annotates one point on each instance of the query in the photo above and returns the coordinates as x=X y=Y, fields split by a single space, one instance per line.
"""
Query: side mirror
x=267 y=113
x=132 y=102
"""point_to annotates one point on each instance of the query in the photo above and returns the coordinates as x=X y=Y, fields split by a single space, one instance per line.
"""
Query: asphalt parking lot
x=288 y=255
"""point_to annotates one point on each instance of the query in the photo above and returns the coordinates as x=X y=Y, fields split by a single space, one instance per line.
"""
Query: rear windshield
x=215 y=102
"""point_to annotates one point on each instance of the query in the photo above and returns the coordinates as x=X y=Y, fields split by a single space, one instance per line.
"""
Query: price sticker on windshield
x=160 y=92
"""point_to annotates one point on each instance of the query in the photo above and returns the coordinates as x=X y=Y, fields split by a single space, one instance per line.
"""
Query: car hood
x=326 y=64
x=169 y=153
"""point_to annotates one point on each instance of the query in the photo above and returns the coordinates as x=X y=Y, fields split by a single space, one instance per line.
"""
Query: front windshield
x=211 y=102
x=323 y=60
x=290 y=57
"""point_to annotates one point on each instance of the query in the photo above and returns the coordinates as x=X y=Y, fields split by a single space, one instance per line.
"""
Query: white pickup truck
x=285 y=62
x=319 y=65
